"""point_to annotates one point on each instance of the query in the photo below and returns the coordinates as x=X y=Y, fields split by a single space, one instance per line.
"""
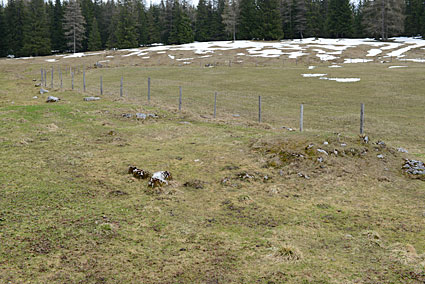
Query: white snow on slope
x=313 y=75
x=356 y=60
x=374 y=52
x=392 y=67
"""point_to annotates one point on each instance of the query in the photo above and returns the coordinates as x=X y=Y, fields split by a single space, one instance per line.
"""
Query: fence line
x=191 y=101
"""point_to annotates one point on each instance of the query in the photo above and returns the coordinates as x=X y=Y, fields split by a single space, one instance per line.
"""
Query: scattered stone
x=288 y=128
x=38 y=85
x=197 y=184
x=414 y=168
x=159 y=179
x=336 y=152
x=320 y=160
x=98 y=65
x=236 y=115
x=380 y=156
x=245 y=176
x=326 y=143
x=402 y=150
x=343 y=144
x=35 y=97
x=51 y=99
x=146 y=115
x=266 y=178
x=127 y=115
x=138 y=173
x=381 y=143
x=322 y=151
x=303 y=175
x=42 y=91
x=225 y=181
x=365 y=139
x=88 y=99
x=309 y=146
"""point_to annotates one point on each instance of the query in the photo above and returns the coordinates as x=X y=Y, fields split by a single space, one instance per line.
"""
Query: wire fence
x=206 y=100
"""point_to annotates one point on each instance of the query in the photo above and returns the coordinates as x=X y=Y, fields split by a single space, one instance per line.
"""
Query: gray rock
x=303 y=175
x=380 y=156
x=326 y=143
x=322 y=152
x=88 y=99
x=414 y=167
x=288 y=128
x=127 y=115
x=38 y=85
x=236 y=115
x=52 y=99
x=402 y=150
x=145 y=115
x=42 y=90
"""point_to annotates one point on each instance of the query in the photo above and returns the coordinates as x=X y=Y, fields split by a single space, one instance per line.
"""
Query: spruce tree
x=202 y=28
x=153 y=25
x=299 y=17
x=36 y=30
x=340 y=19
x=125 y=32
x=314 y=25
x=56 y=30
x=384 y=18
x=358 y=26
x=141 y=22
x=181 y=31
x=270 y=21
x=3 y=43
x=414 y=12
x=15 y=17
x=94 y=42
x=73 y=26
x=248 y=20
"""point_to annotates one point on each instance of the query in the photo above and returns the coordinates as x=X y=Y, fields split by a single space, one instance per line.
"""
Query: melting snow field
x=324 y=49
x=392 y=67
x=313 y=75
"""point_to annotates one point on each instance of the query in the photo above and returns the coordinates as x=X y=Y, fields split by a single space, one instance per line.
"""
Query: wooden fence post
x=149 y=89
x=42 y=76
x=301 y=117
x=121 y=85
x=215 y=104
x=60 y=75
x=51 y=83
x=361 y=118
x=84 y=80
x=45 y=78
x=180 y=98
x=259 y=108
x=72 y=79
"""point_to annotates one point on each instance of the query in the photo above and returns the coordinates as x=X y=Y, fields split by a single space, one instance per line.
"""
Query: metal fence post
x=180 y=98
x=361 y=118
x=259 y=108
x=301 y=117
x=215 y=104
x=149 y=89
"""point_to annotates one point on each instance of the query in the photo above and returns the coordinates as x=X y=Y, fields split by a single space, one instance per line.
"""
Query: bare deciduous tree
x=74 y=25
x=230 y=16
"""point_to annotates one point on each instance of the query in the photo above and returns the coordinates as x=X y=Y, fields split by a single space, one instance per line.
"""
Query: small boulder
x=43 y=91
x=88 y=99
x=51 y=99
x=159 y=179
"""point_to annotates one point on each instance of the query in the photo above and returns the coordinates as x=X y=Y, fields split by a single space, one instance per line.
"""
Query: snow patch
x=374 y=52
x=392 y=67
x=171 y=56
x=357 y=60
x=51 y=60
x=335 y=66
x=313 y=75
x=311 y=67
x=184 y=59
x=342 y=80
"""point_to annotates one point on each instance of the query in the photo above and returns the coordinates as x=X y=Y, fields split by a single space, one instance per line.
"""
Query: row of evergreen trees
x=35 y=27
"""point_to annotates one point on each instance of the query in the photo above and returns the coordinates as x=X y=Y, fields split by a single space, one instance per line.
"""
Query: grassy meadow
x=249 y=202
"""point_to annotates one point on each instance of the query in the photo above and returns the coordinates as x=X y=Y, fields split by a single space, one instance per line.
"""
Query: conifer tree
x=56 y=30
x=384 y=18
x=202 y=27
x=314 y=25
x=3 y=43
x=153 y=25
x=340 y=20
x=36 y=30
x=94 y=42
x=181 y=31
x=73 y=26
x=414 y=12
x=248 y=19
x=15 y=17
x=299 y=17
x=358 y=27
x=141 y=22
x=270 y=21
x=125 y=32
